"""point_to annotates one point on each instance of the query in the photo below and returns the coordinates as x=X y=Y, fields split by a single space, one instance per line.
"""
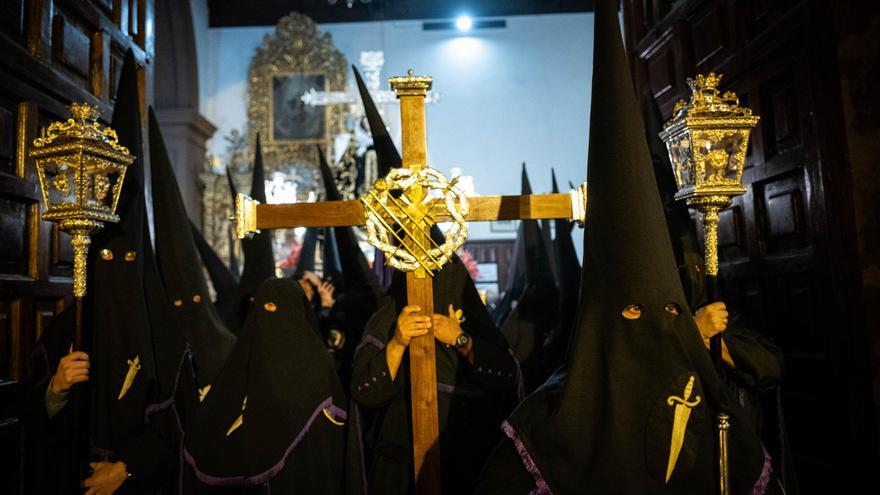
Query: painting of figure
x=291 y=119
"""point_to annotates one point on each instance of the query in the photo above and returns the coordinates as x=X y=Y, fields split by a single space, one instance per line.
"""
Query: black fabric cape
x=758 y=361
x=293 y=433
x=472 y=398
x=522 y=313
x=181 y=269
x=222 y=279
x=259 y=260
x=131 y=357
x=605 y=423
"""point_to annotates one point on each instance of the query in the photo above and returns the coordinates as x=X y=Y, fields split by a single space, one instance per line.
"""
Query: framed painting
x=291 y=120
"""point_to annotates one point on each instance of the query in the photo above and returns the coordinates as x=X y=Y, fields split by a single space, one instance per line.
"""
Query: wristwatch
x=462 y=340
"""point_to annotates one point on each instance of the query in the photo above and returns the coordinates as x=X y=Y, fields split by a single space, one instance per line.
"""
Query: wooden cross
x=411 y=91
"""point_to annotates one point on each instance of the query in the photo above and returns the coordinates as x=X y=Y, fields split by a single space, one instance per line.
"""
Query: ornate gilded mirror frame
x=294 y=59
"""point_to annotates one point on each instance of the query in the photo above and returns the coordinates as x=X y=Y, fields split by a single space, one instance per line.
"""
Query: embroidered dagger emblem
x=239 y=420
x=682 y=413
x=133 y=367
x=203 y=392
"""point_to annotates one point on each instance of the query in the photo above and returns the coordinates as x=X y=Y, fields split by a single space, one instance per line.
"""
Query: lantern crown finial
x=84 y=111
x=707 y=100
x=82 y=124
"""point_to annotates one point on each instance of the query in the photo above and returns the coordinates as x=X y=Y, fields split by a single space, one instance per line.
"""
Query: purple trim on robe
x=161 y=406
x=763 y=480
x=266 y=475
x=384 y=272
x=541 y=486
x=369 y=339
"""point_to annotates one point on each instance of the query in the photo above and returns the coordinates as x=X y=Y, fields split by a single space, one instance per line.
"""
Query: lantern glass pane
x=682 y=160
x=720 y=153
x=61 y=177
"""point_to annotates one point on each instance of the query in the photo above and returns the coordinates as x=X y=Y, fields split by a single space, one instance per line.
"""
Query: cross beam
x=252 y=216
x=351 y=213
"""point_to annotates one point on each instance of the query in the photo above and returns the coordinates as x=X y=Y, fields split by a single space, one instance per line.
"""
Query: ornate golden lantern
x=81 y=167
x=707 y=140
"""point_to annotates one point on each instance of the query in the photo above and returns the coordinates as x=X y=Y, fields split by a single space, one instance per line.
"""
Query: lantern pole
x=81 y=167
x=707 y=140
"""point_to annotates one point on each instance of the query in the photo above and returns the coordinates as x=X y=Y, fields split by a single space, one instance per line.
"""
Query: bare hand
x=711 y=320
x=72 y=369
x=106 y=478
x=446 y=328
x=410 y=325
x=325 y=290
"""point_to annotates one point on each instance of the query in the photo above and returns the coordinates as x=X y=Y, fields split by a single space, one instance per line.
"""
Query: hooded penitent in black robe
x=276 y=420
x=472 y=398
x=259 y=261
x=605 y=423
x=357 y=290
x=113 y=416
x=757 y=371
x=222 y=279
x=522 y=314
x=181 y=269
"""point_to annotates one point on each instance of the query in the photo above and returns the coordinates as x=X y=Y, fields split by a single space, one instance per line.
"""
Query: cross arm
x=252 y=216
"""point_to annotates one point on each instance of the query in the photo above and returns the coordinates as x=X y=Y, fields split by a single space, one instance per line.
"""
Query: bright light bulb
x=464 y=23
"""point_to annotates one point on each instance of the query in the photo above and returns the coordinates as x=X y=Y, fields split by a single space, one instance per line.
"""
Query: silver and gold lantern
x=81 y=167
x=707 y=140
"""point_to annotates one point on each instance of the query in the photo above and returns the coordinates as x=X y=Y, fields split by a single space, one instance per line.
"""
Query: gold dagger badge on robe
x=239 y=420
x=134 y=365
x=682 y=413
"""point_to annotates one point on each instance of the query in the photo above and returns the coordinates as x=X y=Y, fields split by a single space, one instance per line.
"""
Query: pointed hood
x=181 y=268
x=547 y=239
x=386 y=152
x=605 y=425
x=230 y=239
x=115 y=314
x=685 y=246
x=569 y=281
x=355 y=269
x=259 y=260
x=306 y=261
x=222 y=280
x=530 y=266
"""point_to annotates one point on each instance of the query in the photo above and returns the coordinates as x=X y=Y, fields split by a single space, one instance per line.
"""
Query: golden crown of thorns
x=401 y=208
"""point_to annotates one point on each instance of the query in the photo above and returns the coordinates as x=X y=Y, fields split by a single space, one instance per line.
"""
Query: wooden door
x=51 y=53
x=787 y=247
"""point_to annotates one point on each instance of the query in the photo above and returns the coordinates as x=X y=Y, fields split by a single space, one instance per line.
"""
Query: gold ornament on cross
x=400 y=204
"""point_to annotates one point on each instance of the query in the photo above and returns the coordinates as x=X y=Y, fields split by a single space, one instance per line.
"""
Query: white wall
x=509 y=95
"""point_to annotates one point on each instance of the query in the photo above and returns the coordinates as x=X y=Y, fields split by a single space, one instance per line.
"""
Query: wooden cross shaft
x=423 y=373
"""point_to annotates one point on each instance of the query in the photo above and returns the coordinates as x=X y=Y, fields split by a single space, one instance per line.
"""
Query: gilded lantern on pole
x=707 y=139
x=81 y=167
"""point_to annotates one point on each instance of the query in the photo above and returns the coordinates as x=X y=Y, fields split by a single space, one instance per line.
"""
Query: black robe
x=293 y=435
x=472 y=398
